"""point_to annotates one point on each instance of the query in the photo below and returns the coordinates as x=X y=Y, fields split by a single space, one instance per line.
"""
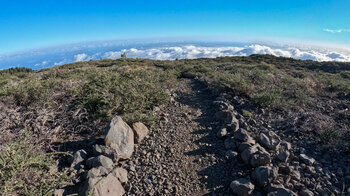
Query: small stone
x=97 y=172
x=265 y=141
x=340 y=172
x=140 y=130
x=165 y=119
x=230 y=154
x=283 y=156
x=248 y=153
x=232 y=122
x=221 y=115
x=310 y=169
x=230 y=118
x=275 y=145
x=307 y=160
x=243 y=146
x=271 y=187
x=285 y=145
x=99 y=161
x=295 y=175
x=132 y=168
x=255 y=156
x=121 y=174
x=306 y=192
x=78 y=158
x=106 y=151
x=264 y=175
x=260 y=158
x=242 y=187
x=59 y=192
x=221 y=133
x=242 y=135
x=285 y=192
x=230 y=143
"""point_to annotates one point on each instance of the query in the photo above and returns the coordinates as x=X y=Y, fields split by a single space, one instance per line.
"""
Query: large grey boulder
x=120 y=137
x=140 y=130
x=242 y=187
x=102 y=186
x=264 y=175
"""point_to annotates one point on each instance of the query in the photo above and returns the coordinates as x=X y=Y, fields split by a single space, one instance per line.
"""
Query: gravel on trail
x=182 y=155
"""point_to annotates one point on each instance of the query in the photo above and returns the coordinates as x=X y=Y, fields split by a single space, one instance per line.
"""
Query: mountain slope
x=64 y=108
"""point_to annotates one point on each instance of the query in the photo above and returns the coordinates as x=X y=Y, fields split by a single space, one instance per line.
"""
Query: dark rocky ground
x=182 y=155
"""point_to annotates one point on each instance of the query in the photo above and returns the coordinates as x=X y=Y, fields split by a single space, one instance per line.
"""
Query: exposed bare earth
x=182 y=155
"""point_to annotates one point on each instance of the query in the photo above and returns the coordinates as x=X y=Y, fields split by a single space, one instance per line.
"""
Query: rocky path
x=202 y=145
x=182 y=155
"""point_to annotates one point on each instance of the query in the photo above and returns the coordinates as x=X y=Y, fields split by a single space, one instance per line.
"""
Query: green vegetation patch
x=26 y=170
x=132 y=93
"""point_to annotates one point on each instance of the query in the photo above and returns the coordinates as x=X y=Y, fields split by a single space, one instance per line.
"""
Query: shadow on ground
x=217 y=172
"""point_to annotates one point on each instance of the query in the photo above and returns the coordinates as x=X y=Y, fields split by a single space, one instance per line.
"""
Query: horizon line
x=178 y=39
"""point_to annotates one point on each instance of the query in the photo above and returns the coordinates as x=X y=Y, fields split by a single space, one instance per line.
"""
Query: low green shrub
x=131 y=92
x=26 y=170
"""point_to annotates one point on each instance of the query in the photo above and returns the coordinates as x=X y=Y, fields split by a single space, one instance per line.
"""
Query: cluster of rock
x=101 y=173
x=274 y=167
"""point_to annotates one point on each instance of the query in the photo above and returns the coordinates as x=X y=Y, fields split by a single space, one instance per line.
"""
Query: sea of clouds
x=193 y=52
x=40 y=60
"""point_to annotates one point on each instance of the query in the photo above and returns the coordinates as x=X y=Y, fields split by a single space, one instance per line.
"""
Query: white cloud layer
x=336 y=30
x=80 y=57
x=167 y=51
x=192 y=52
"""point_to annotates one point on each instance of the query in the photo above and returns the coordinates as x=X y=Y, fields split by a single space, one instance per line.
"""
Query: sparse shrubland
x=26 y=170
x=76 y=101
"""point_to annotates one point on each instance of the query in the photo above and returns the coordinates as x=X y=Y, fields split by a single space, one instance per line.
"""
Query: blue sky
x=29 y=24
